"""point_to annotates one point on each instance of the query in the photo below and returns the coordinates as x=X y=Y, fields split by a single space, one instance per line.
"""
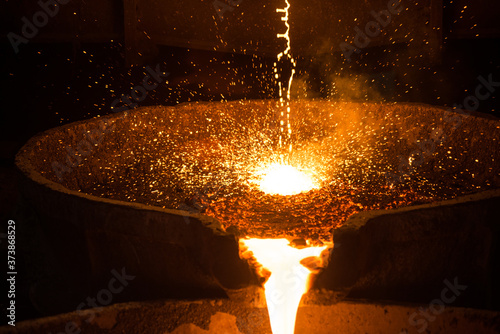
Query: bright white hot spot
x=282 y=179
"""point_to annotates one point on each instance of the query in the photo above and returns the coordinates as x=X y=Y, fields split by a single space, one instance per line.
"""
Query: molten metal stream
x=288 y=281
x=284 y=90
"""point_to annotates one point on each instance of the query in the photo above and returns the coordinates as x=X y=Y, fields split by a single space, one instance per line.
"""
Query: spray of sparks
x=202 y=157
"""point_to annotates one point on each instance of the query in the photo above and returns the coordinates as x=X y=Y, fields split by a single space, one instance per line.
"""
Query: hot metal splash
x=203 y=157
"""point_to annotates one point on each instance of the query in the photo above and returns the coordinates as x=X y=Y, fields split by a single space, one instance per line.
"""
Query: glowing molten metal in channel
x=281 y=179
x=288 y=281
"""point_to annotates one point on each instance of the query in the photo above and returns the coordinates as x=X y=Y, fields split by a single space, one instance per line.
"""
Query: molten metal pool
x=283 y=179
x=219 y=159
x=121 y=198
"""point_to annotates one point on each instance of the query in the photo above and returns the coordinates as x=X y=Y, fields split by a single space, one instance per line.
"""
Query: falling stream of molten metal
x=288 y=281
x=289 y=278
x=284 y=92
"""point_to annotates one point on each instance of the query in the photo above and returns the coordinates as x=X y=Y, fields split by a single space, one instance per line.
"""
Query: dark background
x=94 y=51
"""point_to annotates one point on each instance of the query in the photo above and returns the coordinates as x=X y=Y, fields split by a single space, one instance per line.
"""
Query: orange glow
x=285 y=53
x=288 y=281
x=282 y=179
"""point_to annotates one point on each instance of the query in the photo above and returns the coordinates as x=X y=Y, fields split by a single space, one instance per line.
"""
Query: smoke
x=302 y=89
x=354 y=88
